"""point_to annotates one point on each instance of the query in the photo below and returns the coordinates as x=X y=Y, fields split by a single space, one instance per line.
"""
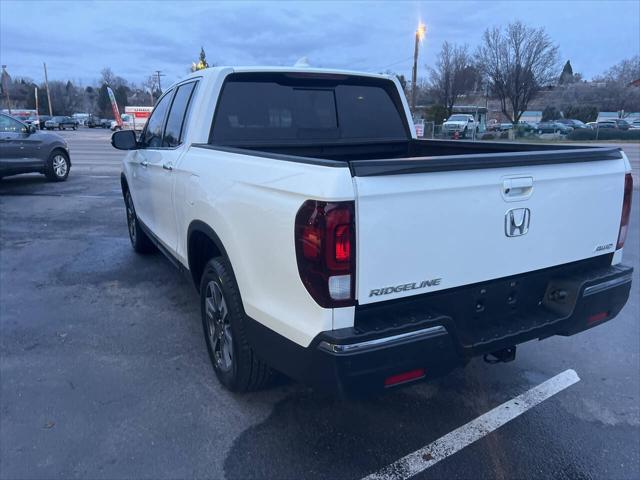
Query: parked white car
x=327 y=242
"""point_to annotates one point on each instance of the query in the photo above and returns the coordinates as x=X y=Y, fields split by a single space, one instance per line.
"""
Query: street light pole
x=420 y=31
x=46 y=84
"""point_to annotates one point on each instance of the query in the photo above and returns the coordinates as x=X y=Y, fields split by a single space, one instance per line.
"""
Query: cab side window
x=179 y=111
x=152 y=136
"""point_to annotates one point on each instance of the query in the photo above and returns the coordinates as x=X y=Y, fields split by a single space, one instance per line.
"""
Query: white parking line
x=456 y=440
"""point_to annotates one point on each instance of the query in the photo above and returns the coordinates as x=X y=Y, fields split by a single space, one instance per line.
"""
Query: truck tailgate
x=428 y=231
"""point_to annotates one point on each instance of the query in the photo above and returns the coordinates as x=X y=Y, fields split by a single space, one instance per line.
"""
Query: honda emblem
x=516 y=222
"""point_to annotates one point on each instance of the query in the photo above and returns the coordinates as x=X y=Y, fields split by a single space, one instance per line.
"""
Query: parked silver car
x=23 y=149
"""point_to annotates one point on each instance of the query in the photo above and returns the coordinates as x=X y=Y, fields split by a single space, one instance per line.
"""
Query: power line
x=395 y=63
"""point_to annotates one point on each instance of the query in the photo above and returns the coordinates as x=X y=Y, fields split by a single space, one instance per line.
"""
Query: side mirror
x=31 y=129
x=124 y=140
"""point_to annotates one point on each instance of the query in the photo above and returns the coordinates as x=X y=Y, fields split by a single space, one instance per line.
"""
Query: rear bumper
x=414 y=336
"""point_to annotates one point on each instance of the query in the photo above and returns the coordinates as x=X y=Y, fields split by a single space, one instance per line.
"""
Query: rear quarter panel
x=251 y=203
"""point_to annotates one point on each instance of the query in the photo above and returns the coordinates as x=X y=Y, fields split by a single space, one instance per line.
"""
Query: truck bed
x=417 y=156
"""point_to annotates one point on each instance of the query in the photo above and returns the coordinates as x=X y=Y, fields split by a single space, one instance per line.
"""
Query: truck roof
x=226 y=70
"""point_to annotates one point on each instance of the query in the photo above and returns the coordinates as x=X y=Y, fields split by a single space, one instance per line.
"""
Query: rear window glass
x=269 y=111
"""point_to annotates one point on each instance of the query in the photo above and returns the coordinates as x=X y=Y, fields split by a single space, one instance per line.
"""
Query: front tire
x=58 y=166
x=224 y=322
x=140 y=242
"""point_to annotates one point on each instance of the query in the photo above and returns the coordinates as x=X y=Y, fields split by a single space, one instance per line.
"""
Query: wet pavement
x=105 y=374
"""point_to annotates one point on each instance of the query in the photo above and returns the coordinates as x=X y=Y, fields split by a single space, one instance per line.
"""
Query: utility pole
x=160 y=74
x=5 y=78
x=46 y=83
x=35 y=94
x=420 y=31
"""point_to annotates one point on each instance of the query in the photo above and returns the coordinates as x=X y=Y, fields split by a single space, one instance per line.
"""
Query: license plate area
x=484 y=312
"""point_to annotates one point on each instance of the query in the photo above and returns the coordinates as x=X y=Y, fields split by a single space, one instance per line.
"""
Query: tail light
x=626 y=211
x=325 y=250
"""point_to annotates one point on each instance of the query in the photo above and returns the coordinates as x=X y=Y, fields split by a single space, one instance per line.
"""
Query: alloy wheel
x=218 y=326
x=60 y=166
x=131 y=219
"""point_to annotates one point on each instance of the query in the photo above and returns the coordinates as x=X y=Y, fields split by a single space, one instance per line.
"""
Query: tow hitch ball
x=505 y=355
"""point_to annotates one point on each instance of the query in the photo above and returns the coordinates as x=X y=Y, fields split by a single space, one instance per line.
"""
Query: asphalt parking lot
x=105 y=374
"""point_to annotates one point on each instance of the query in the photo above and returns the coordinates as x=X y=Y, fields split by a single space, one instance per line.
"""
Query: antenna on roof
x=303 y=62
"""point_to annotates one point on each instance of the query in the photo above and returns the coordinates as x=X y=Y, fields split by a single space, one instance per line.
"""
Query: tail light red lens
x=626 y=210
x=343 y=243
x=325 y=250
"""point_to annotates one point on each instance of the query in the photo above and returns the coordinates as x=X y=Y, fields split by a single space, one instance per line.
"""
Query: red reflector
x=343 y=243
x=626 y=210
x=597 y=317
x=404 y=377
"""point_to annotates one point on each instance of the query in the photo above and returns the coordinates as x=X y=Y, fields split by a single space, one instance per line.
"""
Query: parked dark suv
x=553 y=127
x=572 y=122
x=61 y=123
x=23 y=149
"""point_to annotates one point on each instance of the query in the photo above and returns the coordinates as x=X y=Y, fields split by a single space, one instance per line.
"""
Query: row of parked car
x=563 y=126
x=61 y=122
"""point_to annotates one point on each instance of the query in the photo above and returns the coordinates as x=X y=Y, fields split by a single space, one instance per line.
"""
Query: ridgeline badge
x=405 y=287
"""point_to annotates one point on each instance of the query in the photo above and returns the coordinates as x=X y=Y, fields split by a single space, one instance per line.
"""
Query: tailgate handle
x=517 y=188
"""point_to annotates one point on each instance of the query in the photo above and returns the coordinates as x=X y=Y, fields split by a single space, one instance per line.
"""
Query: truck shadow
x=309 y=435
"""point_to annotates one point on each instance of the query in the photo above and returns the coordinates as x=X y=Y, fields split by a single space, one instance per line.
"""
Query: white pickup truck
x=330 y=244
x=462 y=124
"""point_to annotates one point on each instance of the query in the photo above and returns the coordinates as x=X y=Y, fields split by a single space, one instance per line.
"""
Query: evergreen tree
x=202 y=63
x=104 y=104
x=567 y=74
x=550 y=113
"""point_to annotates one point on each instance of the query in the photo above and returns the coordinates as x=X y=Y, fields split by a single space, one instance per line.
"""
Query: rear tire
x=223 y=322
x=140 y=242
x=57 y=167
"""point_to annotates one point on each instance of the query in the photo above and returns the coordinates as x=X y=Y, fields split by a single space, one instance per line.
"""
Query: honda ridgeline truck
x=328 y=243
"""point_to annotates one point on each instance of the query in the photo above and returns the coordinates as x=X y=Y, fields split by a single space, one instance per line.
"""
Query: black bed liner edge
x=444 y=163
x=403 y=166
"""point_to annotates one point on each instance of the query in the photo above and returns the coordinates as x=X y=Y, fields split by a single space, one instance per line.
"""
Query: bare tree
x=619 y=94
x=453 y=76
x=518 y=62
x=624 y=72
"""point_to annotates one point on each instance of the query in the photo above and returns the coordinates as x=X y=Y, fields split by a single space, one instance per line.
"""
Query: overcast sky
x=78 y=39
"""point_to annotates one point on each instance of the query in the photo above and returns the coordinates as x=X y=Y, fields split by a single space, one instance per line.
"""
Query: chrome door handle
x=167 y=166
x=144 y=163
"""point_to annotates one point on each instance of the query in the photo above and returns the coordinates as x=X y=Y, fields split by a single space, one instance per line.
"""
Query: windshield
x=458 y=118
x=271 y=108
